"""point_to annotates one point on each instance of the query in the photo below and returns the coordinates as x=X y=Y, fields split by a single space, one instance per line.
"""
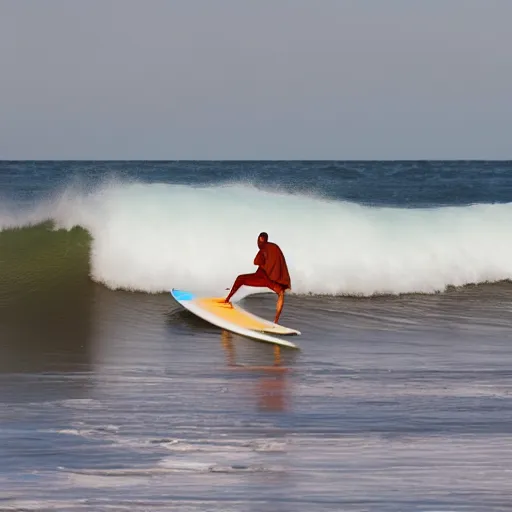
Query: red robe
x=271 y=260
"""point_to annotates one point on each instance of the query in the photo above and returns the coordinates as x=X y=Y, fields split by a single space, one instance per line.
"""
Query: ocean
x=112 y=397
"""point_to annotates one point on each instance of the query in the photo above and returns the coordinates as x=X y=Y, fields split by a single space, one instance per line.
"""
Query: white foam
x=152 y=237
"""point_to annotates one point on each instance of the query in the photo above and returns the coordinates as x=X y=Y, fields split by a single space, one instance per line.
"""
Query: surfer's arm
x=260 y=259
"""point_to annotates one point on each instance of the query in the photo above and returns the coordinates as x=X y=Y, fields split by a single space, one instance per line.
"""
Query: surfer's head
x=262 y=239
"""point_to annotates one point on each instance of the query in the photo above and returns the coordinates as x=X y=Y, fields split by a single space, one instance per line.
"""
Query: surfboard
x=233 y=318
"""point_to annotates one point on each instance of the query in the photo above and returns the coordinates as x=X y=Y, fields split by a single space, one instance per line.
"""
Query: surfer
x=272 y=273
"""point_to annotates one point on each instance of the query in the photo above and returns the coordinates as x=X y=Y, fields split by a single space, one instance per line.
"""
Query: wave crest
x=152 y=237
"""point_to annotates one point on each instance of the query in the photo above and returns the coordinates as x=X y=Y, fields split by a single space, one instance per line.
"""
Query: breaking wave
x=152 y=237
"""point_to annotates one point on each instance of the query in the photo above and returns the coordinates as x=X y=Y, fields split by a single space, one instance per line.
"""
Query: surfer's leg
x=236 y=286
x=279 y=305
x=255 y=279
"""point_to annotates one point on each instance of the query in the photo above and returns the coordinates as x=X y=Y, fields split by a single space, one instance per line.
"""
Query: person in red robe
x=272 y=273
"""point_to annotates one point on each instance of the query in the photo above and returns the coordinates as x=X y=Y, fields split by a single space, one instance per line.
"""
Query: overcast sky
x=255 y=79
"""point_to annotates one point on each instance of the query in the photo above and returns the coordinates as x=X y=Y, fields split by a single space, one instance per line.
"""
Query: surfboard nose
x=182 y=295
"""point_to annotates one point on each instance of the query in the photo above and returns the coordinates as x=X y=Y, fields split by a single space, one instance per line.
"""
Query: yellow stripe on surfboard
x=237 y=316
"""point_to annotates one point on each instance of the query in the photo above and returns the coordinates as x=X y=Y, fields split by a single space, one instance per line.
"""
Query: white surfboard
x=233 y=318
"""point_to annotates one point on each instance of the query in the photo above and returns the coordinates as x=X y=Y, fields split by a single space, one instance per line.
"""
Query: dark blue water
x=392 y=183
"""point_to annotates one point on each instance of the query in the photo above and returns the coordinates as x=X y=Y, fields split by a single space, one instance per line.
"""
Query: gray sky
x=255 y=79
